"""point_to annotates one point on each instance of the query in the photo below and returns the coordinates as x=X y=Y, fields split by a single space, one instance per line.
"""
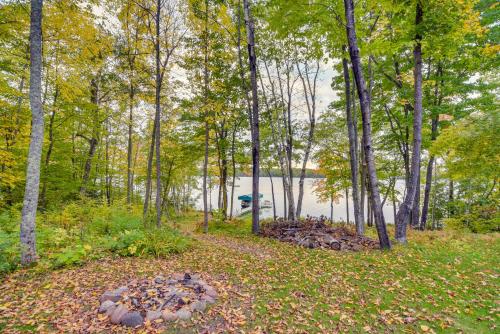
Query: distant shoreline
x=310 y=173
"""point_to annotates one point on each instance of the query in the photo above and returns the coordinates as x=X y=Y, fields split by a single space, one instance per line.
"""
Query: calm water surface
x=311 y=205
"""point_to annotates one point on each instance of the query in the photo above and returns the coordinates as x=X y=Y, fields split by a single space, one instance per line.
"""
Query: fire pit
x=157 y=300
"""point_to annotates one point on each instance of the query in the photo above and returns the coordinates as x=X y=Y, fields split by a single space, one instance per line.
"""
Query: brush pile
x=317 y=232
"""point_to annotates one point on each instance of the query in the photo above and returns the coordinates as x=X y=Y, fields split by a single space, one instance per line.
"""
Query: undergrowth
x=84 y=231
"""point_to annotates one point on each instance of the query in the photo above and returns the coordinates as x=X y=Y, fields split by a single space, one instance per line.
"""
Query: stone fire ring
x=158 y=300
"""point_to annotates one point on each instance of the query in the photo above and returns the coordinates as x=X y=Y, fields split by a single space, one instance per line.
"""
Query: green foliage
x=84 y=230
x=482 y=219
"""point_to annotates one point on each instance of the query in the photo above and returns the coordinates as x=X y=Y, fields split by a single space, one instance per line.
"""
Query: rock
x=110 y=295
x=187 y=276
x=208 y=299
x=132 y=319
x=121 y=290
x=110 y=310
x=159 y=279
x=118 y=314
x=169 y=316
x=198 y=306
x=183 y=314
x=178 y=276
x=153 y=315
x=105 y=306
x=211 y=292
x=308 y=242
x=113 y=295
x=201 y=282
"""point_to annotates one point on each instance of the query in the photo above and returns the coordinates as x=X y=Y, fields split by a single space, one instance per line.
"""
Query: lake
x=311 y=205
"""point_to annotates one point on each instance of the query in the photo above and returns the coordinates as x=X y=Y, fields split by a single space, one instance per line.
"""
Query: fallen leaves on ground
x=439 y=283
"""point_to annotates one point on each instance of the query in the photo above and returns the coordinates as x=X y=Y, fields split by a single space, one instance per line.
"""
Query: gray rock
x=118 y=314
x=159 y=279
x=132 y=319
x=169 y=316
x=211 y=292
x=121 y=290
x=105 y=306
x=195 y=277
x=201 y=282
x=177 y=276
x=183 y=314
x=208 y=299
x=110 y=310
x=113 y=295
x=153 y=315
x=110 y=295
x=198 y=306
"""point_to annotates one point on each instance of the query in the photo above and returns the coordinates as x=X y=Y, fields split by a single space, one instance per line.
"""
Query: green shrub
x=9 y=253
x=70 y=256
x=163 y=242
x=84 y=230
x=482 y=219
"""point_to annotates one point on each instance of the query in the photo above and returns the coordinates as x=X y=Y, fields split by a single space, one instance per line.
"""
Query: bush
x=70 y=256
x=9 y=253
x=84 y=230
x=482 y=219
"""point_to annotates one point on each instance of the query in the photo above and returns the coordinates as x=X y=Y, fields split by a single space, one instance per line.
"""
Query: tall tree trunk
x=285 y=213
x=106 y=171
x=223 y=182
x=272 y=193
x=331 y=208
x=30 y=203
x=252 y=60
x=415 y=211
x=394 y=202
x=130 y=182
x=88 y=164
x=157 y=116
x=43 y=199
x=310 y=97
x=409 y=200
x=353 y=151
x=347 y=204
x=430 y=164
x=363 y=184
x=233 y=163
x=428 y=179
x=207 y=132
x=149 y=172
x=366 y=116
x=93 y=141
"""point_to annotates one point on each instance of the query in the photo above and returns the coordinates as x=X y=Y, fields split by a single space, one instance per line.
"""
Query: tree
x=366 y=117
x=30 y=204
x=252 y=62
x=406 y=207
x=353 y=150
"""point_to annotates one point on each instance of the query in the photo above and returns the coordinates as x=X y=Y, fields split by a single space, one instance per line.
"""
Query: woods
x=146 y=128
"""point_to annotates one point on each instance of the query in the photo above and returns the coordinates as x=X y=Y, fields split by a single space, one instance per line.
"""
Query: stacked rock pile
x=157 y=300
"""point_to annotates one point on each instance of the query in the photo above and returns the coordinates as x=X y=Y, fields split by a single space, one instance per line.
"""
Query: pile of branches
x=317 y=232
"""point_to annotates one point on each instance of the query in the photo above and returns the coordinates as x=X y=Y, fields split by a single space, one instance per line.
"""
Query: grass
x=442 y=282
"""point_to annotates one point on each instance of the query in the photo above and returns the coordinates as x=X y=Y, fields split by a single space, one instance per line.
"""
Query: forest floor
x=441 y=282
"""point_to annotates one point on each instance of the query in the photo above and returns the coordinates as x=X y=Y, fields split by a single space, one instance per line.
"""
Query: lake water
x=311 y=205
